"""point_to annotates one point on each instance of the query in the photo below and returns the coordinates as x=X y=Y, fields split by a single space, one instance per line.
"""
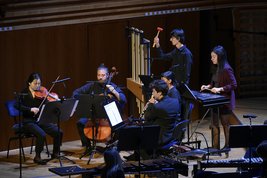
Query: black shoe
x=39 y=161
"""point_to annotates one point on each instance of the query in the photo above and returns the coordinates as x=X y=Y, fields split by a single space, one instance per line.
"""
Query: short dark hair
x=178 y=34
x=159 y=86
x=102 y=67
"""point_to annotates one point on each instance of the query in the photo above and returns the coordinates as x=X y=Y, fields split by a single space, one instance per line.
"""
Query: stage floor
x=73 y=150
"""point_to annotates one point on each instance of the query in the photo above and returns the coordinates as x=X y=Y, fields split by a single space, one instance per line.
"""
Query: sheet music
x=74 y=108
x=113 y=113
x=41 y=112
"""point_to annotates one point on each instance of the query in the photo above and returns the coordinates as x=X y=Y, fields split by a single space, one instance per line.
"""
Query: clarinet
x=146 y=106
x=144 y=111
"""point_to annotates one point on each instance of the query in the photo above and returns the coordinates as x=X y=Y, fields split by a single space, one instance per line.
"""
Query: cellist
x=103 y=85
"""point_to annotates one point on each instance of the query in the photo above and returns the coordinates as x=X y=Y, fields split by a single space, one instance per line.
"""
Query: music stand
x=55 y=112
x=137 y=138
x=146 y=80
x=247 y=136
x=92 y=106
x=188 y=95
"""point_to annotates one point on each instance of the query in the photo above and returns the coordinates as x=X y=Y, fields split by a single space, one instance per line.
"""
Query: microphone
x=249 y=116
x=62 y=80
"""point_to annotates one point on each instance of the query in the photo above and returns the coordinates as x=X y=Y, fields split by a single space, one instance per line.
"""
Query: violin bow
x=48 y=92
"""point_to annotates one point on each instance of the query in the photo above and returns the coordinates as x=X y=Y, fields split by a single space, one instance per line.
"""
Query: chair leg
x=22 y=151
x=8 y=147
x=32 y=145
x=47 y=151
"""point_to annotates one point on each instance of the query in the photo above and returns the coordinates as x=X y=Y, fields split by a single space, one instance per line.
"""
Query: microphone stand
x=250 y=116
x=19 y=97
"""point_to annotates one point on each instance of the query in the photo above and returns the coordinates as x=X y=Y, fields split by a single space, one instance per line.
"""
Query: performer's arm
x=82 y=90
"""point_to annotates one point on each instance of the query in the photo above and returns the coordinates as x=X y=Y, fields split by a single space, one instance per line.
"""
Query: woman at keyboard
x=223 y=82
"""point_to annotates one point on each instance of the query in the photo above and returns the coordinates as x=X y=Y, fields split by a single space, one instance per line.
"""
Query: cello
x=101 y=133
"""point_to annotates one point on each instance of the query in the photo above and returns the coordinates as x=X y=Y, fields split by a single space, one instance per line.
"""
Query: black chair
x=14 y=113
x=179 y=131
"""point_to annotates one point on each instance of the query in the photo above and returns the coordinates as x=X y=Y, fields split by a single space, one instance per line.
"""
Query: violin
x=43 y=93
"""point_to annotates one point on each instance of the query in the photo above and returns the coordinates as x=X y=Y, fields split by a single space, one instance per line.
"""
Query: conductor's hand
x=35 y=110
x=156 y=41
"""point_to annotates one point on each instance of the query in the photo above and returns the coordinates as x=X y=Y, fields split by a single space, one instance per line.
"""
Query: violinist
x=30 y=106
x=98 y=88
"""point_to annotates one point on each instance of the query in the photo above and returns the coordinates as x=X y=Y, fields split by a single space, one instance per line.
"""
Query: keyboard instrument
x=206 y=99
x=244 y=163
x=209 y=99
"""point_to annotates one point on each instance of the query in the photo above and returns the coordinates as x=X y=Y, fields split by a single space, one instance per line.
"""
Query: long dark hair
x=32 y=77
x=113 y=164
x=222 y=57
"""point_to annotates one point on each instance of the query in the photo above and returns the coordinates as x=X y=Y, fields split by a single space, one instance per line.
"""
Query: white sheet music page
x=74 y=108
x=41 y=112
x=113 y=113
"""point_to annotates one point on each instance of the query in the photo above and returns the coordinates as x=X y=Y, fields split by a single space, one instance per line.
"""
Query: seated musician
x=163 y=111
x=169 y=78
x=98 y=88
x=30 y=106
x=223 y=82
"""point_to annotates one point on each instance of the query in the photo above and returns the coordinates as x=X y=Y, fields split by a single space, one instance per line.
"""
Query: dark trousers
x=227 y=118
x=80 y=126
x=40 y=131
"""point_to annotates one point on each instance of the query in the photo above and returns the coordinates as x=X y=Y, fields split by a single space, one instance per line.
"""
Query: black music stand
x=19 y=97
x=137 y=138
x=241 y=136
x=55 y=112
x=146 y=80
x=92 y=106
x=189 y=97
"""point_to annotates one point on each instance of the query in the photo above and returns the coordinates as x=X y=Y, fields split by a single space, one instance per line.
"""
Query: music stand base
x=61 y=158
